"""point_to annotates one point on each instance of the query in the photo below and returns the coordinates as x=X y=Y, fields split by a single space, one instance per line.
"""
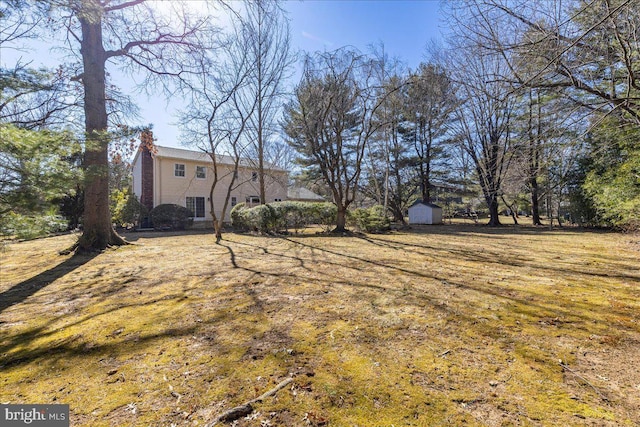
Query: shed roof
x=420 y=202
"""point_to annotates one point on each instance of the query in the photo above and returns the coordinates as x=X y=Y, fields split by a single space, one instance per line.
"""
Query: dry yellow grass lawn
x=448 y=325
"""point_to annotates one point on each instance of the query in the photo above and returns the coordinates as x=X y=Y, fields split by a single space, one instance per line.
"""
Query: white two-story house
x=184 y=177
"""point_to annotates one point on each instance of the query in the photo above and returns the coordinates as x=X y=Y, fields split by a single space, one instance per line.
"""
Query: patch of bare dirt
x=614 y=372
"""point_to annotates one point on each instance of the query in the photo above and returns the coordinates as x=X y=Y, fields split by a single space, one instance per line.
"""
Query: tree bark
x=534 y=155
x=341 y=220
x=535 y=202
x=217 y=226
x=98 y=231
x=514 y=212
x=494 y=216
x=263 y=193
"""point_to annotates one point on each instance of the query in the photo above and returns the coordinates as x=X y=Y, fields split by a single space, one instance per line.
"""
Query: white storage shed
x=425 y=213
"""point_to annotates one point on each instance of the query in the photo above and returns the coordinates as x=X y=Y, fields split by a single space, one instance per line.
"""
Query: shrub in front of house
x=171 y=217
x=280 y=216
x=133 y=211
x=126 y=209
x=372 y=220
x=293 y=214
x=239 y=217
x=324 y=214
x=264 y=218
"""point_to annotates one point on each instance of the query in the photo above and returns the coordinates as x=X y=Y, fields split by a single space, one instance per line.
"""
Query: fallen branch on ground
x=247 y=408
x=565 y=367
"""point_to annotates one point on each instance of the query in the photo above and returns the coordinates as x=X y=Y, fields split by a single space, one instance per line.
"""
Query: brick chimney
x=146 y=145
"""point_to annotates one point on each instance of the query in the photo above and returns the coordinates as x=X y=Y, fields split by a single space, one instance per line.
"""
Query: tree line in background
x=530 y=107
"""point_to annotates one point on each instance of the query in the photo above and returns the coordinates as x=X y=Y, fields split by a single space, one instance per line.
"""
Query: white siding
x=423 y=214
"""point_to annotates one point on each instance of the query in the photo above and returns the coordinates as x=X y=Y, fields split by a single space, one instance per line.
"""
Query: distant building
x=425 y=213
x=184 y=177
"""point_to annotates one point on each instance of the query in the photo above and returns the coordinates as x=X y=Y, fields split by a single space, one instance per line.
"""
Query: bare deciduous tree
x=16 y=22
x=387 y=178
x=268 y=46
x=331 y=119
x=138 y=38
x=588 y=50
x=217 y=120
x=483 y=122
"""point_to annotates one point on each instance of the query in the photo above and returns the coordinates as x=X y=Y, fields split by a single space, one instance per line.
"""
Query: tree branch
x=247 y=408
x=121 y=5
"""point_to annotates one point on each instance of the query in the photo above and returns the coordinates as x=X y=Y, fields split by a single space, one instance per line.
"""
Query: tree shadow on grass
x=493 y=257
x=76 y=346
x=133 y=236
x=546 y=303
x=23 y=290
x=501 y=230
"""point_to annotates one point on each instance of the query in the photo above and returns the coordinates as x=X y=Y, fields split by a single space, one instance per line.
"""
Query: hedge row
x=281 y=216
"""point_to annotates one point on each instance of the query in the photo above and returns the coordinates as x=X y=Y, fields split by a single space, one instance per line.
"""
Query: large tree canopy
x=331 y=119
x=613 y=179
x=137 y=38
x=588 y=50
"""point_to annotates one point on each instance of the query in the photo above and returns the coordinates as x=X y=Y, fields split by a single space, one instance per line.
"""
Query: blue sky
x=403 y=26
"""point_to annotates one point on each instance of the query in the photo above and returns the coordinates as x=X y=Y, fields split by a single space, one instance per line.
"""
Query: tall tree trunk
x=341 y=220
x=494 y=217
x=398 y=215
x=263 y=193
x=535 y=201
x=425 y=167
x=426 y=189
x=513 y=209
x=534 y=155
x=217 y=224
x=98 y=231
x=427 y=182
x=217 y=227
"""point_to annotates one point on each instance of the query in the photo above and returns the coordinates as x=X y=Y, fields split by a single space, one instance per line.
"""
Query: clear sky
x=403 y=26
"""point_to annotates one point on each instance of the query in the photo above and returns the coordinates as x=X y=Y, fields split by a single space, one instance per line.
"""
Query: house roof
x=420 y=202
x=301 y=193
x=201 y=156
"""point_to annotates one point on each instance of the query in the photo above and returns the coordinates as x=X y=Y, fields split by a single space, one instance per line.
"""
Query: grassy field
x=437 y=326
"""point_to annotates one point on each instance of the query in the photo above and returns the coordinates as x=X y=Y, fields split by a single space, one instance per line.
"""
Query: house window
x=196 y=206
x=254 y=176
x=234 y=201
x=179 y=170
x=201 y=172
x=253 y=200
x=235 y=174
